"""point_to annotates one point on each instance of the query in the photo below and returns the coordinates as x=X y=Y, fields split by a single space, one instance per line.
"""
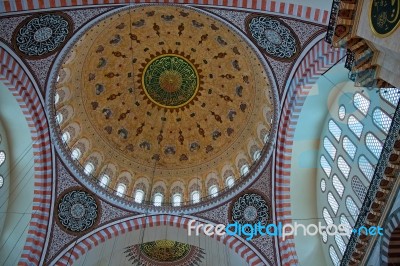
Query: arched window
x=324 y=236
x=89 y=168
x=213 y=191
x=158 y=199
x=104 y=180
x=334 y=129
x=323 y=185
x=176 y=200
x=352 y=208
x=327 y=216
x=139 y=196
x=2 y=157
x=343 y=166
x=345 y=222
x=66 y=137
x=361 y=103
x=342 y=112
x=358 y=188
x=349 y=147
x=195 y=197
x=330 y=149
x=391 y=95
x=373 y=144
x=340 y=243
x=121 y=188
x=256 y=155
x=244 y=169
x=325 y=166
x=338 y=185
x=382 y=120
x=366 y=167
x=56 y=98
x=1 y=181
x=355 y=126
x=59 y=118
x=266 y=136
x=334 y=256
x=333 y=203
x=230 y=181
x=76 y=154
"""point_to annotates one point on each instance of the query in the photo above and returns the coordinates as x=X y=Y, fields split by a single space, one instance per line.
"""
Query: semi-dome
x=163 y=101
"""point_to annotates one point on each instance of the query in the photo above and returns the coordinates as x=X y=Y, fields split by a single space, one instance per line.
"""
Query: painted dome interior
x=164 y=100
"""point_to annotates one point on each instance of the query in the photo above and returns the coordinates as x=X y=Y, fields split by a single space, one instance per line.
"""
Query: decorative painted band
x=305 y=12
x=18 y=82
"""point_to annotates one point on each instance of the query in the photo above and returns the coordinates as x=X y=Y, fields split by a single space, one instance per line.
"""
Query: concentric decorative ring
x=77 y=211
x=170 y=81
x=250 y=208
x=42 y=34
x=273 y=36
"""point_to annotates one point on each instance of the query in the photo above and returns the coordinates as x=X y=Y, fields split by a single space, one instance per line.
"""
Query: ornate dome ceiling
x=164 y=97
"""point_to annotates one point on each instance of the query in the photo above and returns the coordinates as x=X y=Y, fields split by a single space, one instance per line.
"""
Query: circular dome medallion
x=43 y=34
x=170 y=81
x=273 y=36
x=77 y=211
x=250 y=208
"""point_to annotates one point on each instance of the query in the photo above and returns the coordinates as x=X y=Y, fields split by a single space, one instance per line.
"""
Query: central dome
x=167 y=94
x=170 y=81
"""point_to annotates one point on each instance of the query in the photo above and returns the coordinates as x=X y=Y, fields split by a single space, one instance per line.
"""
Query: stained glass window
x=213 y=191
x=230 y=181
x=139 y=196
x=323 y=185
x=338 y=185
x=340 y=243
x=366 y=167
x=342 y=112
x=352 y=208
x=2 y=157
x=333 y=203
x=361 y=103
x=76 y=154
x=195 y=197
x=325 y=166
x=104 y=180
x=327 y=216
x=158 y=199
x=176 y=200
x=344 y=167
x=120 y=190
x=345 y=222
x=391 y=95
x=65 y=137
x=334 y=129
x=349 y=147
x=355 y=126
x=330 y=149
x=358 y=188
x=334 y=256
x=89 y=168
x=373 y=144
x=382 y=120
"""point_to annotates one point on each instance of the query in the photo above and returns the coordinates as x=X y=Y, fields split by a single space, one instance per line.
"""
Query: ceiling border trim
x=320 y=16
x=319 y=59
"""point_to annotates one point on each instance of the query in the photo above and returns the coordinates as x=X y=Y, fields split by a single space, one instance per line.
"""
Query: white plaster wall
x=19 y=182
